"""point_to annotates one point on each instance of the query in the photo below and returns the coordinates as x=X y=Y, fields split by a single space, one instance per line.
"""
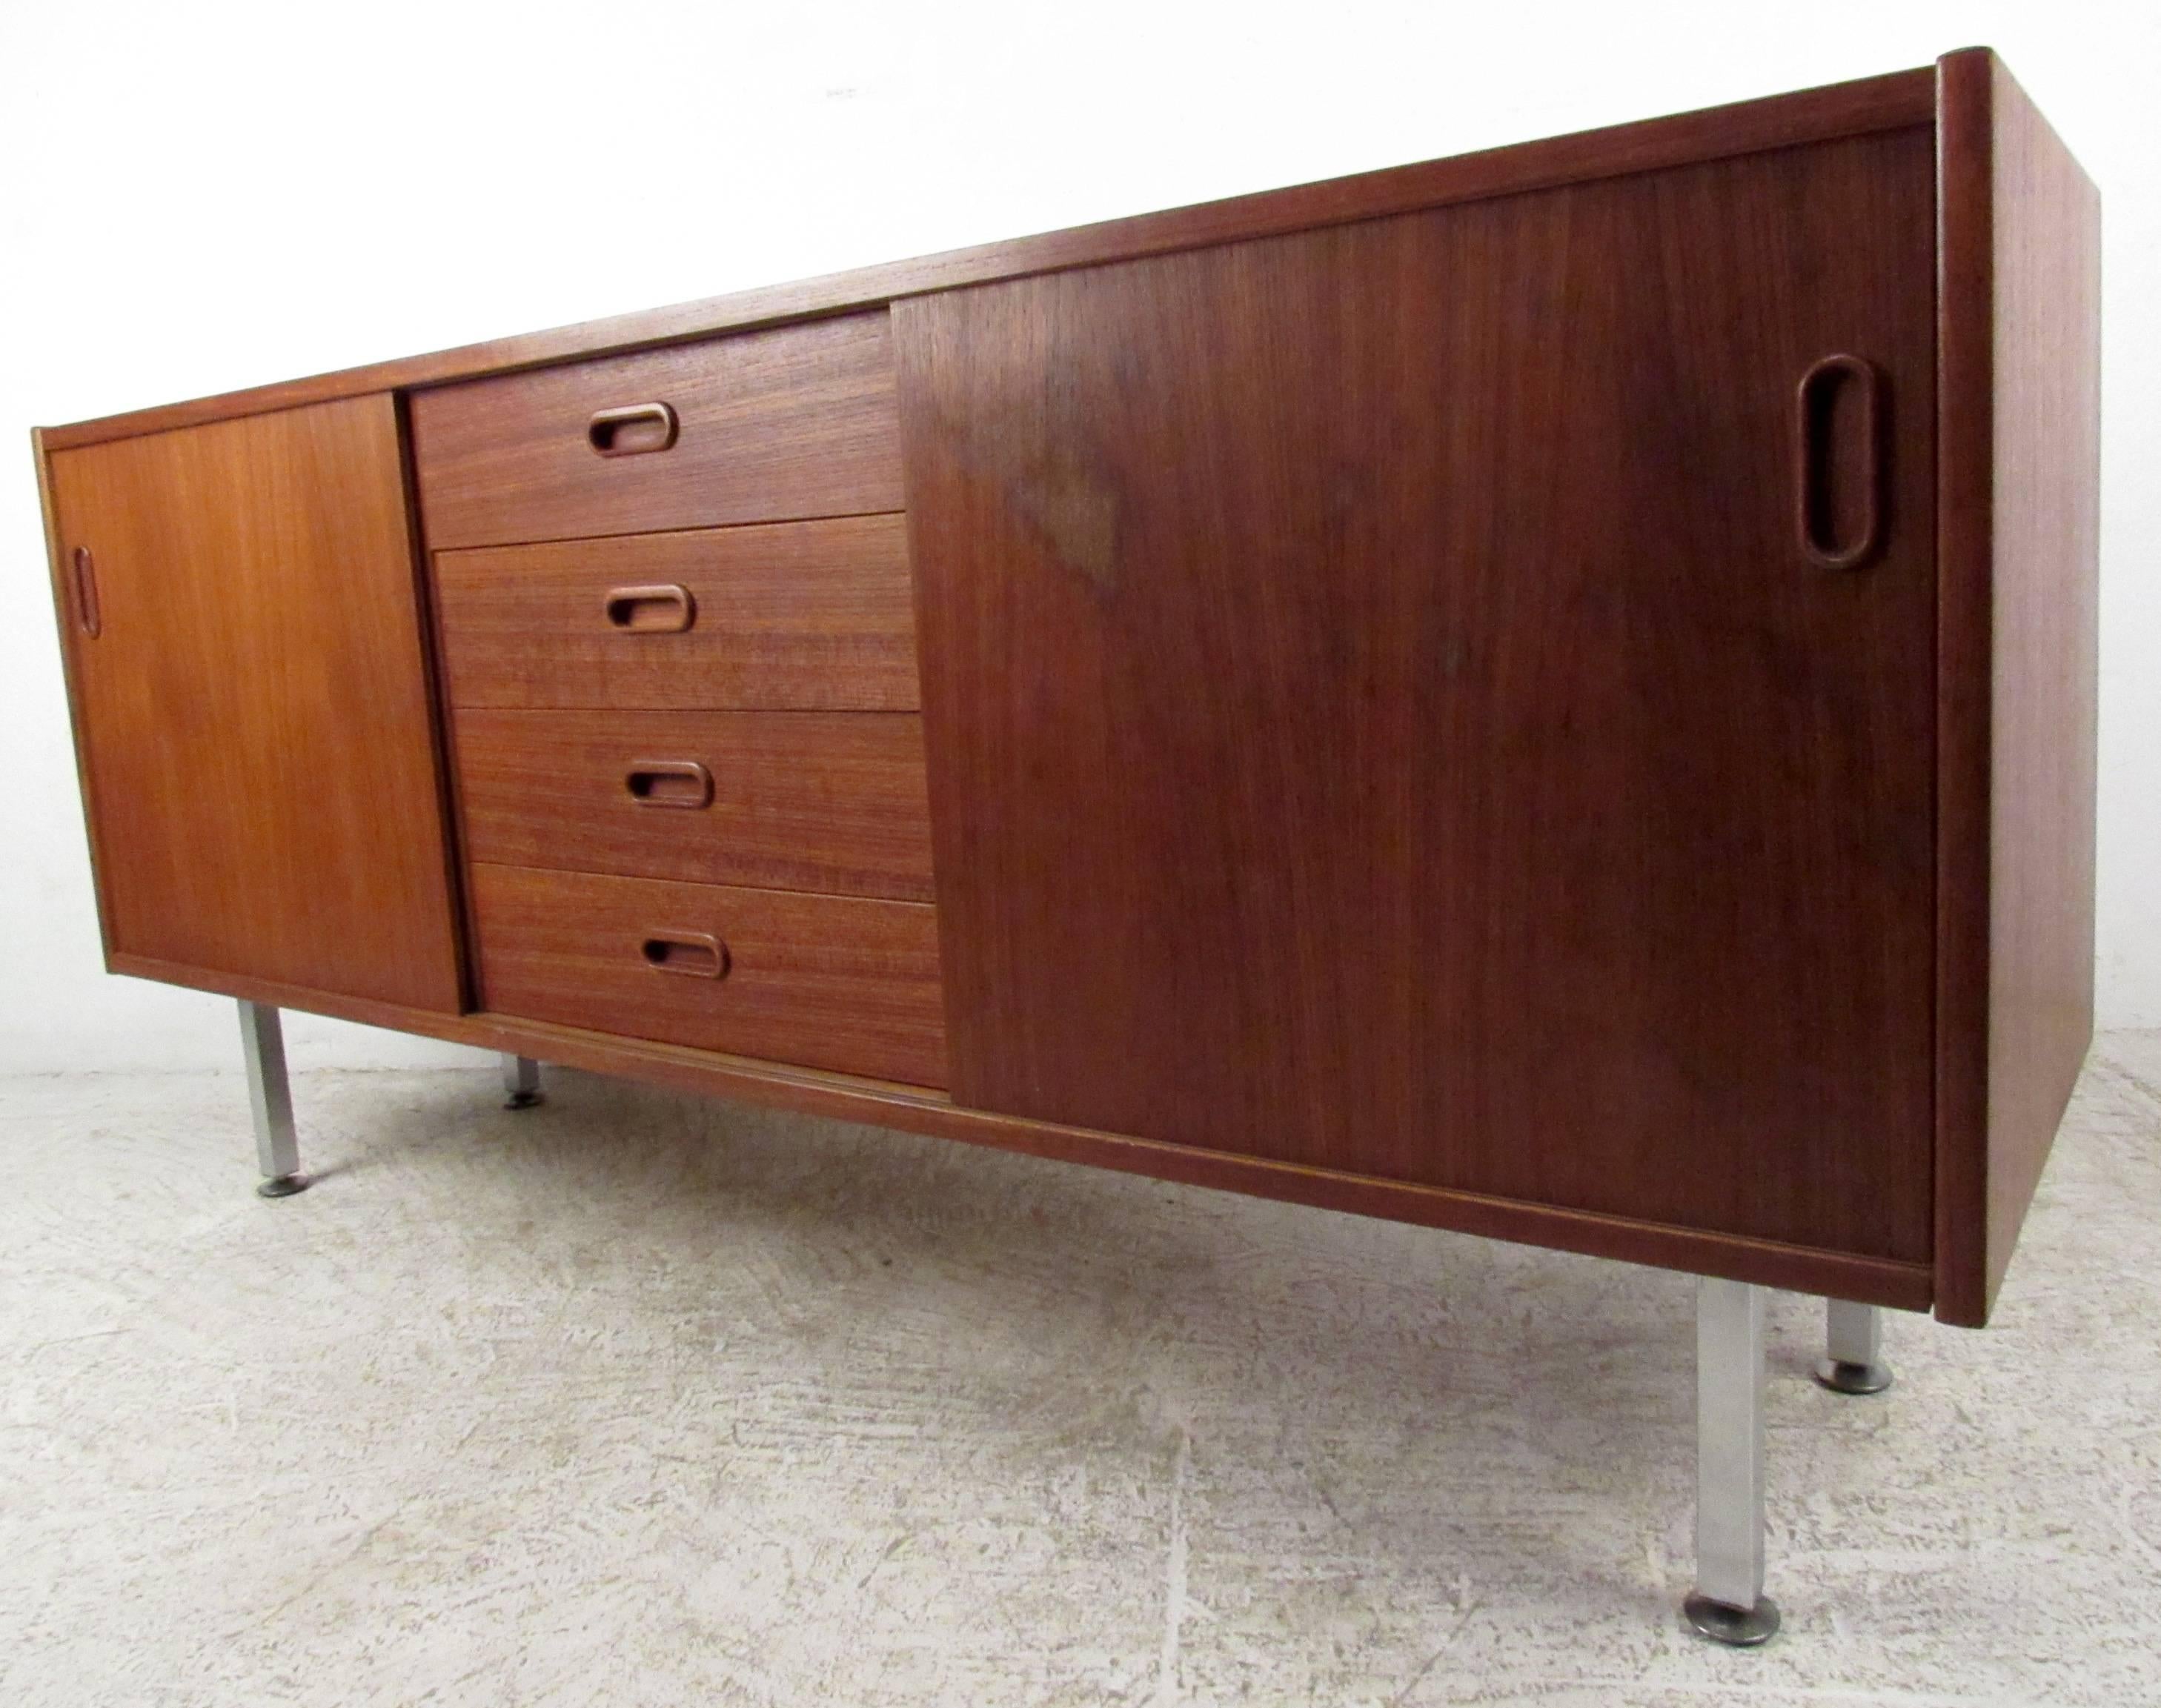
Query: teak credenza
x=1549 y=693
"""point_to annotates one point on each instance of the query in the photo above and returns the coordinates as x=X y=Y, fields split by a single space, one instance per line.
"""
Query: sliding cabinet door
x=1450 y=698
x=252 y=703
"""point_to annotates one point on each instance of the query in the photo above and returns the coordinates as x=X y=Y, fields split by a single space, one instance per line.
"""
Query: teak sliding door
x=1450 y=697
x=240 y=609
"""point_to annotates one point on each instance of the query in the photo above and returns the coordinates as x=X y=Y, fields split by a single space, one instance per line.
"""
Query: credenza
x=1548 y=693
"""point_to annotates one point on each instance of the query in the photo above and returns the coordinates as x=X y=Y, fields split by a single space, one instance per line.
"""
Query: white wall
x=198 y=197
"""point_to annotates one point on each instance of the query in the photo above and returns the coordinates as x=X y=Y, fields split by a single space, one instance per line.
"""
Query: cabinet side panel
x=254 y=710
x=2020 y=341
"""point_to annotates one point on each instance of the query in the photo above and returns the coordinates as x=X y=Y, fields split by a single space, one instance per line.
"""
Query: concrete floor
x=634 y=1399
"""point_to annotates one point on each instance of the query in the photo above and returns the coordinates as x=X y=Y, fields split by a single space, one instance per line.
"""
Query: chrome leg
x=1729 y=1605
x=1853 y=1337
x=277 y=1151
x=521 y=1081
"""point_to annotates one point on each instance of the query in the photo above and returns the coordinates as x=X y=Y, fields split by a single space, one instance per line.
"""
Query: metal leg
x=1853 y=1336
x=277 y=1151
x=521 y=1081
x=1729 y=1605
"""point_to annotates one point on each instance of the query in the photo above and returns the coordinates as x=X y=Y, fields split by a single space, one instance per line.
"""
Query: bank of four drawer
x=677 y=644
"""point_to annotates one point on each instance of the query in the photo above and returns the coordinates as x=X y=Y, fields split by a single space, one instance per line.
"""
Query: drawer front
x=821 y=982
x=798 y=421
x=814 y=615
x=800 y=800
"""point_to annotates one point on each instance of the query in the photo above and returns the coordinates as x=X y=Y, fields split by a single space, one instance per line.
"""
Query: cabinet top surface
x=1890 y=101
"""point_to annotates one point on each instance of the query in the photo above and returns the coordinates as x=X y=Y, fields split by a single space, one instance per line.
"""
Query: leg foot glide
x=1739 y=1627
x=520 y=1082
x=1853 y=1379
x=1853 y=1336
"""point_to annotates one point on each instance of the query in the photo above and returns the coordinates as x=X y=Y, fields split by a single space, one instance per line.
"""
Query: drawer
x=810 y=615
x=824 y=981
x=796 y=421
x=833 y=801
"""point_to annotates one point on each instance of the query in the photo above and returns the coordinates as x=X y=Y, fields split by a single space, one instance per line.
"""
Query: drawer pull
x=670 y=782
x=667 y=610
x=689 y=954
x=1830 y=456
x=632 y=429
x=86 y=592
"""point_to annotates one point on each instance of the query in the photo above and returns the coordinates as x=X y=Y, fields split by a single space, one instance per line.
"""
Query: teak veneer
x=1549 y=693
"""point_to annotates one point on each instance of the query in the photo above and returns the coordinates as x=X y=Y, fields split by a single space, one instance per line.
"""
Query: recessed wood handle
x=86 y=592
x=1838 y=458
x=689 y=954
x=633 y=428
x=670 y=782
x=667 y=610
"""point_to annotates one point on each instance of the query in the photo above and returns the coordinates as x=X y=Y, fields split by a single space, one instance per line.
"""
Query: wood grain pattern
x=829 y=981
x=1890 y=102
x=1380 y=717
x=254 y=714
x=776 y=425
x=835 y=802
x=2019 y=484
x=916 y=1109
x=815 y=616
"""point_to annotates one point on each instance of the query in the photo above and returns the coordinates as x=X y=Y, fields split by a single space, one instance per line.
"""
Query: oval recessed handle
x=632 y=429
x=87 y=614
x=689 y=954
x=1834 y=459
x=667 y=610
x=668 y=783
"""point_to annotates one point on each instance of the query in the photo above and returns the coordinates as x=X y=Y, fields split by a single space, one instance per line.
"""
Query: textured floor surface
x=634 y=1399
